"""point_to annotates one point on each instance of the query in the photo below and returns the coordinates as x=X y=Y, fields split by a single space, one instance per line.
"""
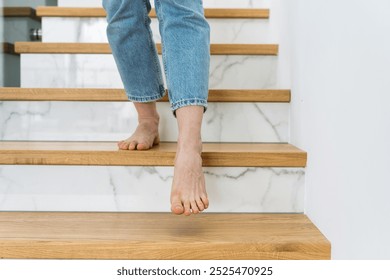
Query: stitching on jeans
x=163 y=45
x=151 y=45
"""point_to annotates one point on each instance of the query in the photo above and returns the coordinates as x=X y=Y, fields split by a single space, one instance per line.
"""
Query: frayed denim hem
x=188 y=102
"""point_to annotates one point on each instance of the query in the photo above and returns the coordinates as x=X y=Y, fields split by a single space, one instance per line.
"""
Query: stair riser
x=206 y=3
x=91 y=188
x=93 y=30
x=18 y=29
x=112 y=121
x=100 y=71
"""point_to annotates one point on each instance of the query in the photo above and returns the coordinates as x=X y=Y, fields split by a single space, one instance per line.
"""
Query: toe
x=122 y=145
x=143 y=146
x=205 y=201
x=132 y=145
x=194 y=208
x=177 y=207
x=187 y=208
x=200 y=205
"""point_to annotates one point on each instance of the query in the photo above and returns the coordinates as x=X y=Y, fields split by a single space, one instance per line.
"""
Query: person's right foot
x=188 y=195
x=145 y=136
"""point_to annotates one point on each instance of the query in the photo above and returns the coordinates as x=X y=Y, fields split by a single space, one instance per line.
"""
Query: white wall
x=337 y=59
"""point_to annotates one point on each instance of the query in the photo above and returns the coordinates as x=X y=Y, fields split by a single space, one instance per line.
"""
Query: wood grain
x=99 y=12
x=90 y=94
x=104 y=48
x=107 y=153
x=160 y=236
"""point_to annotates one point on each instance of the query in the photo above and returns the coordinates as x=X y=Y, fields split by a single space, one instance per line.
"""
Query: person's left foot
x=145 y=136
x=188 y=194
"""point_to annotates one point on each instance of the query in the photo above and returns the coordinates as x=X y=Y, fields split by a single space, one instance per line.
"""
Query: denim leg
x=185 y=36
x=134 y=49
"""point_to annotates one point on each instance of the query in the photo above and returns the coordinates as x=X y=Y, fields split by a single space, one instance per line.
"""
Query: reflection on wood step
x=107 y=153
x=99 y=12
x=83 y=94
x=159 y=236
x=104 y=48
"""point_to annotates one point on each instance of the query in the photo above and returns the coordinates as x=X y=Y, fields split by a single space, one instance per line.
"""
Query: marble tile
x=89 y=188
x=93 y=30
x=206 y=3
x=112 y=121
x=99 y=71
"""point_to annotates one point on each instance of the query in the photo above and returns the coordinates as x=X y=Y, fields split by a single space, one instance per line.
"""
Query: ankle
x=155 y=119
x=190 y=144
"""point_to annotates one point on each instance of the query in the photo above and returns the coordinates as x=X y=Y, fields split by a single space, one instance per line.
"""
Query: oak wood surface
x=17 y=11
x=104 y=48
x=8 y=12
x=109 y=235
x=107 y=153
x=99 y=12
x=7 y=48
x=90 y=94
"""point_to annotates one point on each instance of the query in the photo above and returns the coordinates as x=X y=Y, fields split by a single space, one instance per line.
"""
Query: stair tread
x=99 y=12
x=90 y=94
x=104 y=48
x=6 y=48
x=107 y=153
x=123 y=235
x=17 y=12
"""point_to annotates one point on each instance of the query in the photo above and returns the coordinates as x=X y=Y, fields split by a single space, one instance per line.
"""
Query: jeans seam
x=152 y=49
x=163 y=45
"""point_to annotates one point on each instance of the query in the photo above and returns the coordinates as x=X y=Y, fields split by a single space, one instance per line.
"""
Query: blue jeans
x=185 y=39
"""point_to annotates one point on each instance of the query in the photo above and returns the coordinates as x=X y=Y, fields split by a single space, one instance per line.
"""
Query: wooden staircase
x=124 y=235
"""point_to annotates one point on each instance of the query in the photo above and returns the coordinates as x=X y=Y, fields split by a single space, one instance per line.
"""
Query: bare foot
x=145 y=136
x=188 y=194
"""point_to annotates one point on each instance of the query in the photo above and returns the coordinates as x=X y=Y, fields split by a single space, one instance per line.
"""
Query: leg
x=135 y=54
x=186 y=55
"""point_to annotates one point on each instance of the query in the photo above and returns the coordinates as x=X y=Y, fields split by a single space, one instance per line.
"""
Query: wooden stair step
x=18 y=12
x=104 y=48
x=90 y=94
x=100 y=12
x=159 y=236
x=7 y=48
x=107 y=153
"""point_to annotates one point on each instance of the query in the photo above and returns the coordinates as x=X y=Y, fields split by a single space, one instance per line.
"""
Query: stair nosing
x=107 y=153
x=7 y=48
x=234 y=13
x=119 y=95
x=104 y=48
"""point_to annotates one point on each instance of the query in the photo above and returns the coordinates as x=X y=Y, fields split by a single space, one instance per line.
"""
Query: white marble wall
x=93 y=30
x=100 y=71
x=206 y=3
x=87 y=188
x=112 y=121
